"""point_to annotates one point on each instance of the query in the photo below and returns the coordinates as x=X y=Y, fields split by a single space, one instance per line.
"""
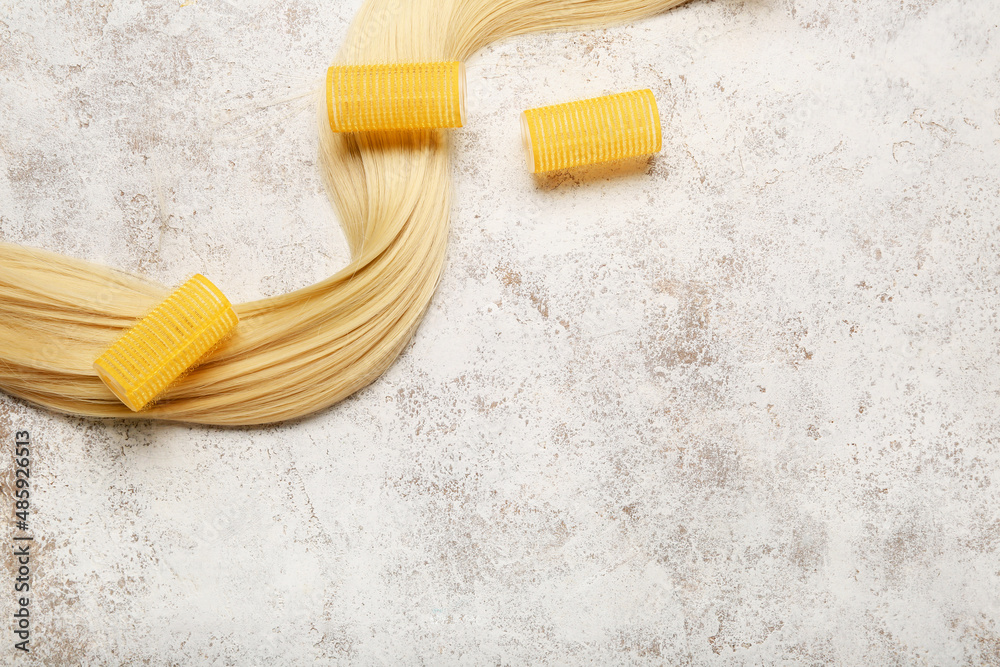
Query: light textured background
x=736 y=405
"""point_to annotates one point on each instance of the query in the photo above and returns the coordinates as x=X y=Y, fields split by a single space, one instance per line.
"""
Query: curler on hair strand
x=406 y=96
x=166 y=343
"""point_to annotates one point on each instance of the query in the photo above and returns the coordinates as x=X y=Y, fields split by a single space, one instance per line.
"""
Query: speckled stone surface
x=735 y=405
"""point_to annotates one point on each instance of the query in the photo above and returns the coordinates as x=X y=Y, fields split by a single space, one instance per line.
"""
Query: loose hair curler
x=602 y=129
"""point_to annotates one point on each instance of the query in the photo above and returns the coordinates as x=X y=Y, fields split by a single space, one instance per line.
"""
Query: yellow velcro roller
x=405 y=96
x=167 y=343
x=602 y=129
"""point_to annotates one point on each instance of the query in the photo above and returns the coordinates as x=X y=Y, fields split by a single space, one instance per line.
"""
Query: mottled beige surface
x=736 y=405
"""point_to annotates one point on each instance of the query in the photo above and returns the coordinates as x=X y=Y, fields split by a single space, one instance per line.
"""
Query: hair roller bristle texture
x=166 y=343
x=408 y=96
x=602 y=129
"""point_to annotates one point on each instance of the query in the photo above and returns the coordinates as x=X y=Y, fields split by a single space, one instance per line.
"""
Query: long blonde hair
x=300 y=352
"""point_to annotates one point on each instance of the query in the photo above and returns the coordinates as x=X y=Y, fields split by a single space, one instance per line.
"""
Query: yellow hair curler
x=602 y=129
x=167 y=343
x=406 y=96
